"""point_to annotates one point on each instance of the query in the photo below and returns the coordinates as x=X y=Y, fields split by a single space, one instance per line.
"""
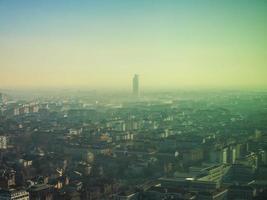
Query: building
x=220 y=194
x=192 y=185
x=136 y=85
x=210 y=173
x=159 y=193
x=16 y=111
x=242 y=173
x=7 y=178
x=241 y=192
x=232 y=156
x=1 y=98
x=3 y=142
x=192 y=155
x=41 y=192
x=224 y=155
x=250 y=160
x=219 y=155
x=127 y=195
x=185 y=190
x=13 y=194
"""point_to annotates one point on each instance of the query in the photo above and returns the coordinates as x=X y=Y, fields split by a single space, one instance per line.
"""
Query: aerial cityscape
x=133 y=100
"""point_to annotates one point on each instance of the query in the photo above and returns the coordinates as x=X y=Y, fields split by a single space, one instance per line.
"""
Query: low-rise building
x=12 y=194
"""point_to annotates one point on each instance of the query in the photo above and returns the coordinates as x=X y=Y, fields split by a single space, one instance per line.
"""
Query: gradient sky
x=102 y=43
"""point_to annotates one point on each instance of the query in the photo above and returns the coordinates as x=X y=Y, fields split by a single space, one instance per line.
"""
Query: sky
x=103 y=43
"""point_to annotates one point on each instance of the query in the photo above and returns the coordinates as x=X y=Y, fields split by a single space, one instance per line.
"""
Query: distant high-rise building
x=1 y=97
x=136 y=85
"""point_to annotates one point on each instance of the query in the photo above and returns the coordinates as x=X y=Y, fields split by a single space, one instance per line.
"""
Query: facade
x=212 y=173
x=159 y=193
x=126 y=196
x=225 y=155
x=7 y=179
x=3 y=142
x=241 y=192
x=13 y=194
x=220 y=155
x=1 y=98
x=41 y=192
x=192 y=185
x=220 y=194
x=192 y=155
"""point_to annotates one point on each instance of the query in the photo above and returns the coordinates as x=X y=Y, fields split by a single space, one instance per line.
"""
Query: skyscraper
x=136 y=85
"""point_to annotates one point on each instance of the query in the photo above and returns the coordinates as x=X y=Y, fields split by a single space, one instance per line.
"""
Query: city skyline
x=96 y=45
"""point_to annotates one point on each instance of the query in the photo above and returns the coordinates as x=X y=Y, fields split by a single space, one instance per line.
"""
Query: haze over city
x=101 y=44
x=133 y=100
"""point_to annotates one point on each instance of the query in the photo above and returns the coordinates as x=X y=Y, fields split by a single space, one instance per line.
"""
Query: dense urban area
x=167 y=145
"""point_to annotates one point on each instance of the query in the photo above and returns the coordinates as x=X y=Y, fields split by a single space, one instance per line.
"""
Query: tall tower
x=136 y=85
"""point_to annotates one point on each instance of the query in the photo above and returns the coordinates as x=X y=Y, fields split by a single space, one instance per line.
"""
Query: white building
x=13 y=194
x=3 y=142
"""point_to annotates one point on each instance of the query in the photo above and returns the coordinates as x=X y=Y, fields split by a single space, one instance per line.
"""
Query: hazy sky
x=102 y=43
